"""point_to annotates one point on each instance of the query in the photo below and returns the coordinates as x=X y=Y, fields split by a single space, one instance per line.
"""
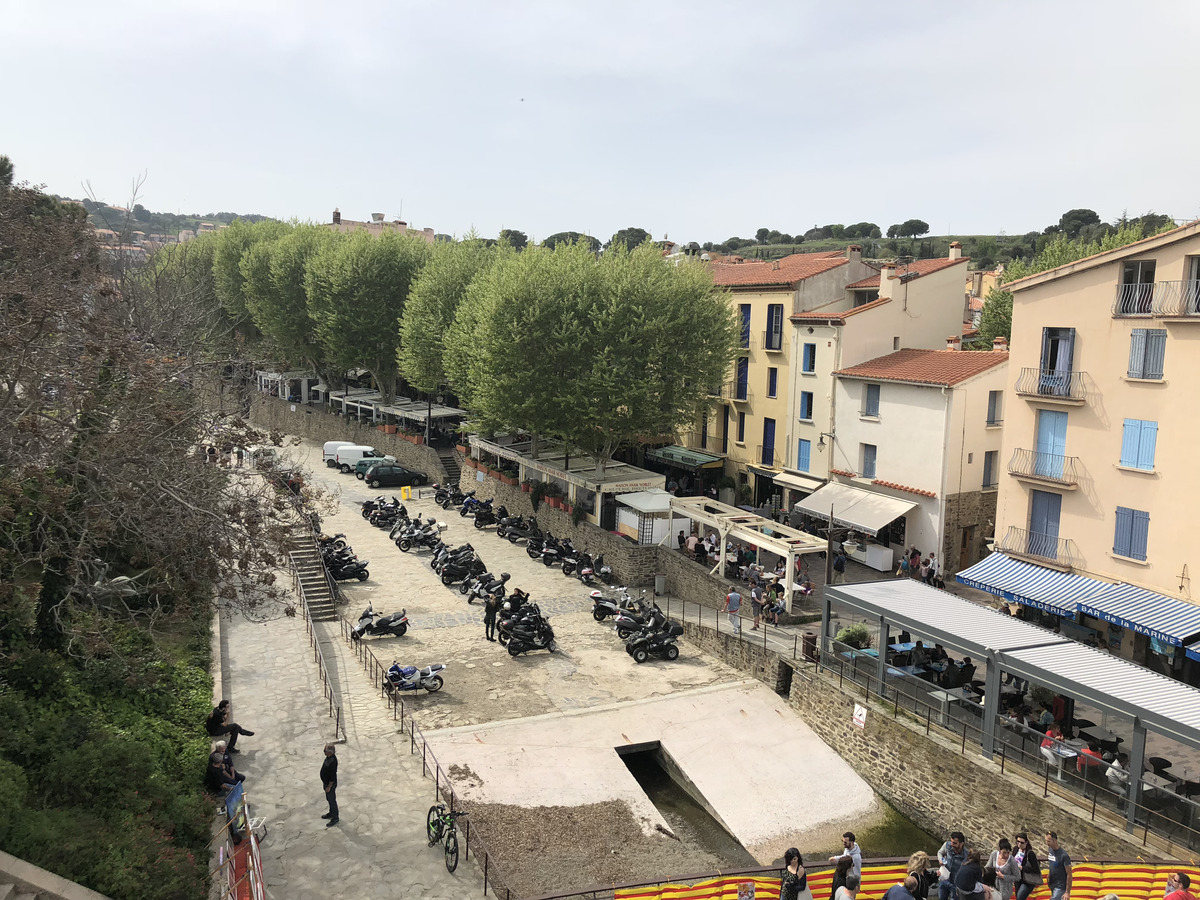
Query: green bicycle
x=440 y=826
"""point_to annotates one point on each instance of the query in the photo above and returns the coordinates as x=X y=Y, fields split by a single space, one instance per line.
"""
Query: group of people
x=221 y=776
x=914 y=565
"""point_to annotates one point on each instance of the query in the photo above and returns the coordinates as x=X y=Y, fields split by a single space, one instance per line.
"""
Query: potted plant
x=508 y=477
x=526 y=486
x=464 y=449
x=538 y=492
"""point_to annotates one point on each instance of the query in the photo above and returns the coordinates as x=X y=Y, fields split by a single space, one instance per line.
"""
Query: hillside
x=120 y=219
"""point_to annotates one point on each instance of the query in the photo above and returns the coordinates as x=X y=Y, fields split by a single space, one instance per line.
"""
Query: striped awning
x=1031 y=585
x=1163 y=618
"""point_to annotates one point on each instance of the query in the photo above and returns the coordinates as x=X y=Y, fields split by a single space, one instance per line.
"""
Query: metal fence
x=429 y=764
x=314 y=643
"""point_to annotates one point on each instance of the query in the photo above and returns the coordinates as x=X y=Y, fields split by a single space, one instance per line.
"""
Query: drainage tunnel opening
x=680 y=804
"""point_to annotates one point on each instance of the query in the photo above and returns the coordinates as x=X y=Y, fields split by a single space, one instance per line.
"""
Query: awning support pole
x=885 y=638
x=1137 y=761
x=991 y=706
x=788 y=580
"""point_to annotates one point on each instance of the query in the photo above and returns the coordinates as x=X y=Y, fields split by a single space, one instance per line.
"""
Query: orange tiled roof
x=788 y=270
x=838 y=317
x=915 y=269
x=904 y=487
x=942 y=367
x=843 y=472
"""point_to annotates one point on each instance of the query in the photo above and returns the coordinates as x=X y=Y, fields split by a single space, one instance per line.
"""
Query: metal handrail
x=335 y=712
x=1045 y=466
x=765 y=454
x=1065 y=384
x=1037 y=545
x=772 y=341
x=1134 y=300
x=1176 y=298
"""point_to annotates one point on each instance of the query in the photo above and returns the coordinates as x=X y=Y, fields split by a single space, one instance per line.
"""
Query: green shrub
x=856 y=636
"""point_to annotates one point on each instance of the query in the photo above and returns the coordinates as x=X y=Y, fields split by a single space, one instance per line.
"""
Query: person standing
x=839 y=568
x=1008 y=871
x=733 y=603
x=756 y=603
x=841 y=871
x=952 y=855
x=1031 y=870
x=1058 y=868
x=793 y=884
x=902 y=890
x=931 y=577
x=682 y=539
x=329 y=785
x=491 y=606
x=914 y=561
x=852 y=850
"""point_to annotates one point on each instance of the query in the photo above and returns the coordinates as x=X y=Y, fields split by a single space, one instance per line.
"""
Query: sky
x=697 y=120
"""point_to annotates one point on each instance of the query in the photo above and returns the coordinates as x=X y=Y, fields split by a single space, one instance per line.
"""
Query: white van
x=349 y=455
x=330 y=449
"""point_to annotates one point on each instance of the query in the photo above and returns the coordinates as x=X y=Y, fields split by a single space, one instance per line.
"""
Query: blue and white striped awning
x=1193 y=651
x=1158 y=616
x=1031 y=585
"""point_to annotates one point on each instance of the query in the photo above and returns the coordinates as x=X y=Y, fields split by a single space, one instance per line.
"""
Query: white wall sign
x=860 y=716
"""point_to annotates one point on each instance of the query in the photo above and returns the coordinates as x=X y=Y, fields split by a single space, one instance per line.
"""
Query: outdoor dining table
x=906 y=647
x=1102 y=736
x=905 y=670
x=1158 y=783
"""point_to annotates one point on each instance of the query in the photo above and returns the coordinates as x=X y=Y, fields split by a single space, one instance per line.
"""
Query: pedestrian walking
x=329 y=785
x=931 y=575
x=491 y=606
x=756 y=603
x=733 y=603
x=1058 y=868
x=839 y=568
x=682 y=539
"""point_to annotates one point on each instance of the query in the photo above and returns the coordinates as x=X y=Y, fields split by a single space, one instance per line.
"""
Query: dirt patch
x=543 y=849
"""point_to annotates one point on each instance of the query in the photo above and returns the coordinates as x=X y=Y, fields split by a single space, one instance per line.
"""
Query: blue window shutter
x=868 y=460
x=806 y=404
x=772 y=381
x=1123 y=540
x=802 y=455
x=872 y=400
x=1156 y=352
x=810 y=358
x=1140 y=535
x=1146 y=445
x=1131 y=441
x=1137 y=353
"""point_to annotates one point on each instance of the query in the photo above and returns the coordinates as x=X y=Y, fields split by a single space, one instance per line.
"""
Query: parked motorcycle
x=369 y=506
x=410 y=678
x=516 y=528
x=336 y=541
x=427 y=537
x=485 y=515
x=657 y=637
x=460 y=569
x=634 y=617
x=448 y=496
x=531 y=634
x=371 y=624
x=472 y=504
x=604 y=606
x=488 y=585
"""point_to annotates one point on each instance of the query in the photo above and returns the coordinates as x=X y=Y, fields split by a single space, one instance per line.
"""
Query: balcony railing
x=772 y=340
x=1044 y=548
x=1062 y=385
x=765 y=455
x=1177 y=299
x=1049 y=467
x=1134 y=300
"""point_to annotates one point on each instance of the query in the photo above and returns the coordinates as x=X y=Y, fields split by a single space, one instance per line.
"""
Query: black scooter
x=370 y=623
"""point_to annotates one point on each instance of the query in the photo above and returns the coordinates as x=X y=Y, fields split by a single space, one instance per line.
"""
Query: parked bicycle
x=440 y=826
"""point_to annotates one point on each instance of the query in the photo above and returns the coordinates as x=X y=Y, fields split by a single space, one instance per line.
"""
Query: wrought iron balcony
x=1054 y=385
x=772 y=341
x=1049 y=468
x=1134 y=300
x=1047 y=549
x=1177 y=299
x=766 y=455
x=738 y=392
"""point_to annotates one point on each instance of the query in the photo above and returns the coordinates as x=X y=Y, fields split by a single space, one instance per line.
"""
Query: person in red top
x=1178 y=884
x=1088 y=757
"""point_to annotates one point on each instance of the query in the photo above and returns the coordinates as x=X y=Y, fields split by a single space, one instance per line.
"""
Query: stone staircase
x=21 y=880
x=10 y=891
x=450 y=463
x=310 y=571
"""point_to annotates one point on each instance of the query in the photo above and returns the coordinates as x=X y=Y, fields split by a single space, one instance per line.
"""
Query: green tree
x=1073 y=221
x=862 y=230
x=911 y=228
x=231 y=244
x=571 y=237
x=518 y=240
x=6 y=173
x=629 y=237
x=591 y=351
x=356 y=289
x=436 y=295
x=893 y=231
x=762 y=235
x=996 y=319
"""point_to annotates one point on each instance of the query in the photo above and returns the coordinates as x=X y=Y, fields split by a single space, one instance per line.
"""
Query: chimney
x=377 y=218
x=1000 y=344
x=337 y=217
x=854 y=253
x=954 y=342
x=977 y=283
x=887 y=275
x=955 y=250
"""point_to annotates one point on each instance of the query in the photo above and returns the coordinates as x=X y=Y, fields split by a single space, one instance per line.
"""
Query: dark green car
x=360 y=467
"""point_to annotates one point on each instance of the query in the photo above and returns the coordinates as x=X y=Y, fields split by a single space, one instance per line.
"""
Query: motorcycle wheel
x=433 y=825
x=672 y=652
x=404 y=546
x=548 y=561
x=364 y=575
x=366 y=513
x=434 y=684
x=640 y=655
x=552 y=647
x=514 y=650
x=447 y=580
x=624 y=633
x=340 y=544
x=502 y=638
x=479 y=524
x=400 y=630
x=355 y=636
x=567 y=568
x=531 y=554
x=375 y=482
x=599 y=615
x=512 y=538
x=463 y=588
x=501 y=531
x=451 y=852
x=463 y=512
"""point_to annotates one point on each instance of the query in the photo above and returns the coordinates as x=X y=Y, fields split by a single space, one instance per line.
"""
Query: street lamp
x=821 y=439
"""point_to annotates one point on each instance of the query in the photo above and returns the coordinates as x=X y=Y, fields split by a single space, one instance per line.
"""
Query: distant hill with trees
x=120 y=218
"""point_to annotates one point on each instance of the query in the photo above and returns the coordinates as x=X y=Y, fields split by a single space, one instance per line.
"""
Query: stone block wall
x=757 y=661
x=940 y=788
x=273 y=414
x=976 y=508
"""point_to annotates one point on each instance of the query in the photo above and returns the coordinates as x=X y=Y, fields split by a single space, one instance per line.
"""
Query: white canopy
x=799 y=482
x=855 y=508
x=652 y=502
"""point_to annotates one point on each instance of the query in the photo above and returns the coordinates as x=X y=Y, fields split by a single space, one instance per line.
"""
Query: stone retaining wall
x=745 y=656
x=315 y=423
x=934 y=784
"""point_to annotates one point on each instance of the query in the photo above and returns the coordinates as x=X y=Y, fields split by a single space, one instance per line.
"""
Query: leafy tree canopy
x=910 y=228
x=1073 y=220
x=515 y=239
x=628 y=237
x=571 y=237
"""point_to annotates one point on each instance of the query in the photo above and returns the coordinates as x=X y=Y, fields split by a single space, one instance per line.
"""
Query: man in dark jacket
x=329 y=784
x=216 y=726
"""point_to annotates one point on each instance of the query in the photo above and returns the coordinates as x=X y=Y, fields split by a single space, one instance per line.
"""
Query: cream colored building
x=917 y=454
x=1100 y=450
x=377 y=226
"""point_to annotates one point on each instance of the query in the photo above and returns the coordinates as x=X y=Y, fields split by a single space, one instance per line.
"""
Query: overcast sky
x=695 y=119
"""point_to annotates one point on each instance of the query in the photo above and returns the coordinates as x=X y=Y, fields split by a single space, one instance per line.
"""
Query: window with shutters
x=773 y=337
x=1132 y=533
x=806 y=405
x=871 y=400
x=1147 y=351
x=741 y=428
x=991 y=469
x=868 y=460
x=1137 y=444
x=804 y=455
x=772 y=381
x=809 y=363
x=995 y=412
x=745 y=341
